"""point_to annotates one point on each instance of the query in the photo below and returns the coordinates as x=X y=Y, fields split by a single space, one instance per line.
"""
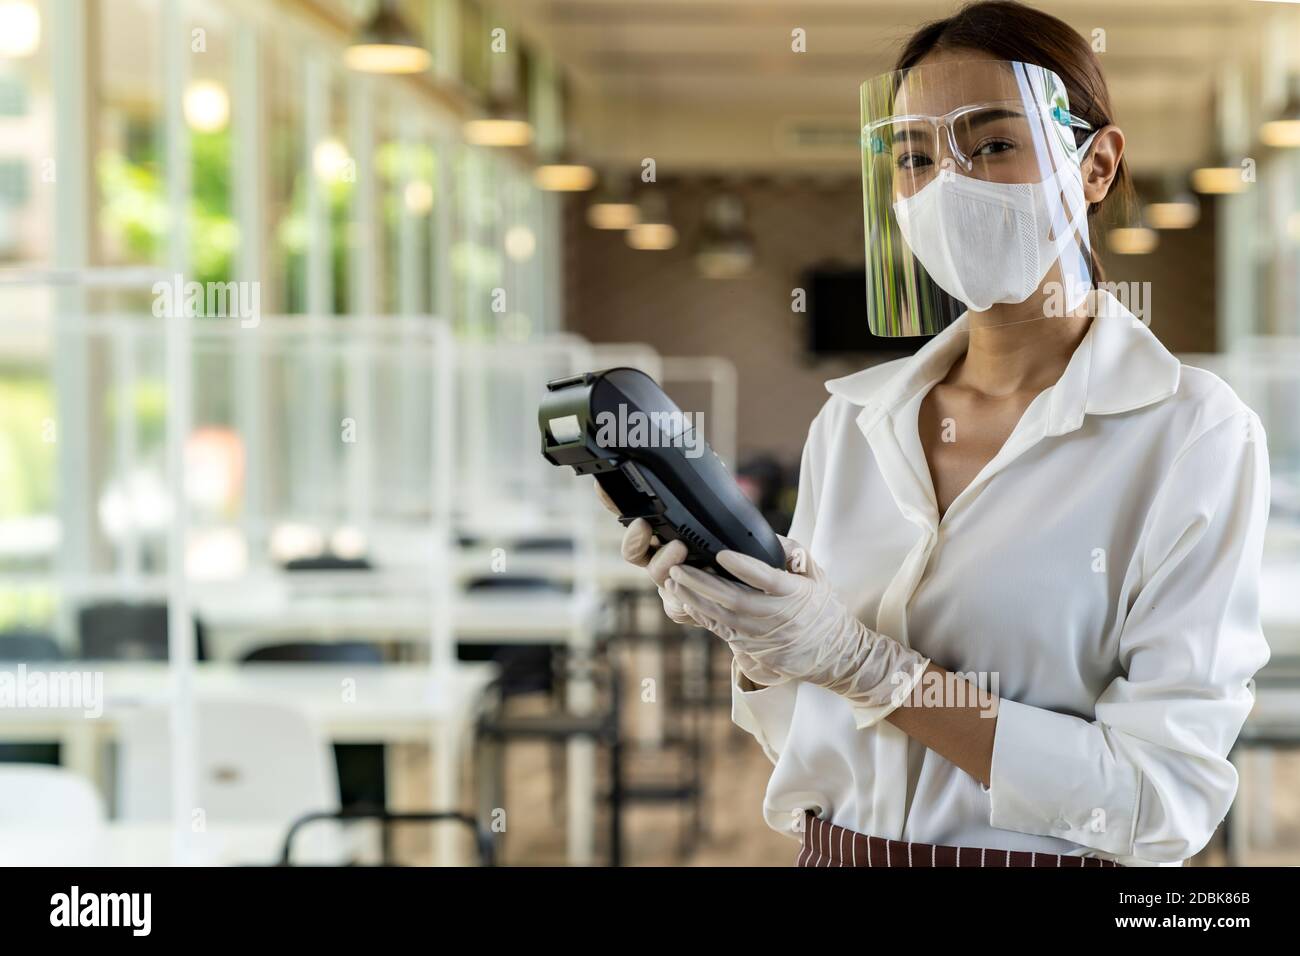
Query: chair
x=33 y=795
x=257 y=763
x=117 y=631
x=495 y=730
x=27 y=646
x=362 y=770
x=525 y=668
x=49 y=816
x=686 y=695
x=363 y=779
x=328 y=562
x=316 y=652
x=482 y=838
x=545 y=544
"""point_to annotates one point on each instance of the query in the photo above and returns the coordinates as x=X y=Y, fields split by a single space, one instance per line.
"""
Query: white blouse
x=1100 y=575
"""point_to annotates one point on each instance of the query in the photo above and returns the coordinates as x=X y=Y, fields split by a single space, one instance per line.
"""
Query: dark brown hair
x=1012 y=31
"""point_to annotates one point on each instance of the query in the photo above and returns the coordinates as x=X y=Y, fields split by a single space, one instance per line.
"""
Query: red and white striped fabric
x=825 y=844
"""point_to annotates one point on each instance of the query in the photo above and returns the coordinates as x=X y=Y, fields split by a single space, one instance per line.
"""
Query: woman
x=1019 y=623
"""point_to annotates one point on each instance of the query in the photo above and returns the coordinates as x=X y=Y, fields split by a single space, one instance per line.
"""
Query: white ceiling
x=712 y=83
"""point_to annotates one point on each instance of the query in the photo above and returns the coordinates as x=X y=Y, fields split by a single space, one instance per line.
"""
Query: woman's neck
x=1008 y=355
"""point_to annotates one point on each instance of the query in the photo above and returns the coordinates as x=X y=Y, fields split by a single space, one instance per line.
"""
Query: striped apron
x=825 y=844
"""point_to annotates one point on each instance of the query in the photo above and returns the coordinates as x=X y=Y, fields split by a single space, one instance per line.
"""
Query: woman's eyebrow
x=908 y=132
x=989 y=115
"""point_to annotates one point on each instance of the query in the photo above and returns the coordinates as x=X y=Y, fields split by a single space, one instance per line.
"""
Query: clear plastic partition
x=503 y=485
x=95 y=735
x=316 y=523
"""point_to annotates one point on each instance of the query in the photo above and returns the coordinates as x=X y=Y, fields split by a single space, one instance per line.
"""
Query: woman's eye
x=912 y=161
x=993 y=146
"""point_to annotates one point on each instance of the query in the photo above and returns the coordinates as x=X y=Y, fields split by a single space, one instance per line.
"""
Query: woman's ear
x=1102 y=163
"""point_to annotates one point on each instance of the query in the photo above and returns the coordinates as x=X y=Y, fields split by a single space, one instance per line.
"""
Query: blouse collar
x=1118 y=367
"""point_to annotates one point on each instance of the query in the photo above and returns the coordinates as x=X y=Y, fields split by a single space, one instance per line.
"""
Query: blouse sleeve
x=1149 y=777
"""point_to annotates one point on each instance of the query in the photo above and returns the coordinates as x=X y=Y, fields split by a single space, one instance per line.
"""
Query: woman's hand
x=638 y=540
x=789 y=625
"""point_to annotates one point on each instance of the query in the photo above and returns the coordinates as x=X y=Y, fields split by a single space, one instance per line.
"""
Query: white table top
x=611 y=571
x=387 y=701
x=116 y=843
x=350 y=610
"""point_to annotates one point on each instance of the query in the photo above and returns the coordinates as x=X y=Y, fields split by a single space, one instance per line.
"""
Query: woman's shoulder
x=1199 y=386
x=1204 y=402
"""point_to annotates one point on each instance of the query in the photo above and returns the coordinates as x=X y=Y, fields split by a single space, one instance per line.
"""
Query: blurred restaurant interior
x=294 y=527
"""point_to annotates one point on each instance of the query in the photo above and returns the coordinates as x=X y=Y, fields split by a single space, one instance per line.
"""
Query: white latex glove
x=638 y=539
x=789 y=625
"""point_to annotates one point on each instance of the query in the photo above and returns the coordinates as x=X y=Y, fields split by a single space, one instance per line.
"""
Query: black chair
x=362 y=768
x=482 y=838
x=525 y=668
x=496 y=729
x=328 y=562
x=27 y=646
x=540 y=543
x=316 y=652
x=688 y=698
x=530 y=669
x=517 y=582
x=118 y=631
x=23 y=646
x=547 y=544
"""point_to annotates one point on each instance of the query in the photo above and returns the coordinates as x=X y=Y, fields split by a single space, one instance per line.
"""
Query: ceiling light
x=564 y=177
x=20 y=29
x=1283 y=131
x=207 y=106
x=613 y=215
x=1172 y=215
x=503 y=126
x=653 y=232
x=1175 y=209
x=612 y=207
x=1132 y=241
x=1218 y=180
x=330 y=160
x=385 y=44
x=652 y=236
x=497 y=132
x=726 y=248
x=520 y=243
x=418 y=197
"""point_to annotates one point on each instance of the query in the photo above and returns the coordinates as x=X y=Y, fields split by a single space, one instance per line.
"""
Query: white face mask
x=986 y=242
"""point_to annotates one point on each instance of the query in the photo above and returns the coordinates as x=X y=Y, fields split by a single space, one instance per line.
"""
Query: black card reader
x=651 y=459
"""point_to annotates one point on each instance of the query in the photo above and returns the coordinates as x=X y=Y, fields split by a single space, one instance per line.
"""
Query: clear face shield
x=972 y=194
